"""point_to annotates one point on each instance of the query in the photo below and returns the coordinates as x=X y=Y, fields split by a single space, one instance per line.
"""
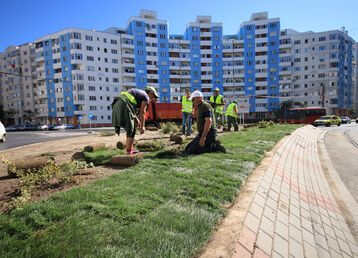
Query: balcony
x=179 y=76
x=128 y=74
x=129 y=84
x=127 y=55
x=129 y=46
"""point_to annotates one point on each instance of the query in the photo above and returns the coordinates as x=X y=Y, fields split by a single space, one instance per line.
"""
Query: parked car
x=327 y=121
x=64 y=126
x=30 y=127
x=2 y=133
x=20 y=127
x=345 y=120
x=12 y=128
x=59 y=127
x=44 y=127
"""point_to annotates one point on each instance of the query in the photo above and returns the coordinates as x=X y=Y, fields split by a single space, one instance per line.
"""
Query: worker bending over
x=128 y=112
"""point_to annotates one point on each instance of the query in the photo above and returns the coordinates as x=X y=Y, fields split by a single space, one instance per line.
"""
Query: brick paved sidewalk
x=293 y=212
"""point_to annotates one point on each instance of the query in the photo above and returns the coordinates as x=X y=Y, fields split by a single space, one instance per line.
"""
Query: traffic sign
x=90 y=116
x=243 y=105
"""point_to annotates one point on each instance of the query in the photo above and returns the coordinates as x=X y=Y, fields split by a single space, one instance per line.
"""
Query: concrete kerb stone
x=343 y=197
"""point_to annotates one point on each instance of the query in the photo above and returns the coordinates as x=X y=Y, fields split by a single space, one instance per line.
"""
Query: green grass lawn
x=159 y=208
x=101 y=157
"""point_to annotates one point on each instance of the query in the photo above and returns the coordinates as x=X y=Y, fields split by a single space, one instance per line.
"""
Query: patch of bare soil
x=62 y=151
x=9 y=187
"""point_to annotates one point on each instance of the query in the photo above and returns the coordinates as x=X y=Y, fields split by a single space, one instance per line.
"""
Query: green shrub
x=50 y=175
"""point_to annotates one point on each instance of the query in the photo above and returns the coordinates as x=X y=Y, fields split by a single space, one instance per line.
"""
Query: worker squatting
x=130 y=106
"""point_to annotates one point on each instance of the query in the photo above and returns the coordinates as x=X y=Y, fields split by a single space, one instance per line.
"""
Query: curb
x=344 y=198
x=350 y=138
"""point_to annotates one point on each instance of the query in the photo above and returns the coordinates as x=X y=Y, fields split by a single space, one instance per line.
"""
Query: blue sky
x=26 y=20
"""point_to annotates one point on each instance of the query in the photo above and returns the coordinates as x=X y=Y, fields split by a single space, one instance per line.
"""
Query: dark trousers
x=210 y=144
x=232 y=121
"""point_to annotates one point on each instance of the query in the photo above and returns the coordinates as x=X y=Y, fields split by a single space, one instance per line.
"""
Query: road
x=17 y=139
x=342 y=147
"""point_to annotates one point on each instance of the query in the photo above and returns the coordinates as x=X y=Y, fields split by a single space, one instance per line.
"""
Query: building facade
x=78 y=76
x=72 y=76
x=322 y=70
x=355 y=78
x=17 y=83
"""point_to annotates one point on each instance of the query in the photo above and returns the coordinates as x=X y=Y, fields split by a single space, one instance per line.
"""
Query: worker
x=217 y=102
x=187 y=110
x=205 y=141
x=128 y=112
x=232 y=116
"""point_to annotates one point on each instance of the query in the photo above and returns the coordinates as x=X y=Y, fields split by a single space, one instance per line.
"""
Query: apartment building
x=78 y=76
x=72 y=75
x=17 y=81
x=355 y=78
x=322 y=69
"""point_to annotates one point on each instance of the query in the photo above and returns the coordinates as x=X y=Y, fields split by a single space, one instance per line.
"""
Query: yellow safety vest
x=130 y=97
x=230 y=110
x=187 y=105
x=219 y=100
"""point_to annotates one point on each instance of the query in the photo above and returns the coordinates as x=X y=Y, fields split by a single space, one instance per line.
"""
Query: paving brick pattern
x=293 y=212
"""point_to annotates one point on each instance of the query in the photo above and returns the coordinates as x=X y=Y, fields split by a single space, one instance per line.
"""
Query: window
x=75 y=35
x=113 y=41
x=93 y=108
x=90 y=58
x=322 y=48
x=91 y=88
x=114 y=51
x=90 y=68
x=91 y=78
x=322 y=39
x=89 y=38
x=92 y=98
x=80 y=87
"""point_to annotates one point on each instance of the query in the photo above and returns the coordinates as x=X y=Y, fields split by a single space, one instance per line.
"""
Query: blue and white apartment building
x=79 y=72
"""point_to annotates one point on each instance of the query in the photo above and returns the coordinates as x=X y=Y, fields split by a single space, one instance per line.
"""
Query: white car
x=2 y=133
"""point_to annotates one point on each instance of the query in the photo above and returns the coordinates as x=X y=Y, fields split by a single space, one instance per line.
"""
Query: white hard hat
x=196 y=94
